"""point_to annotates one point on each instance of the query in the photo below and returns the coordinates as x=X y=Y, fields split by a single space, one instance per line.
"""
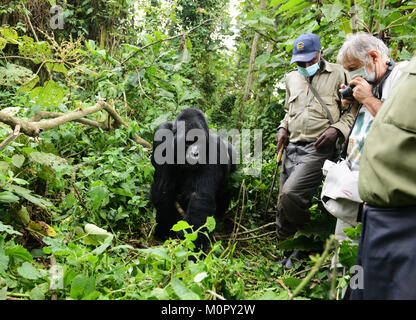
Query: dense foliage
x=75 y=200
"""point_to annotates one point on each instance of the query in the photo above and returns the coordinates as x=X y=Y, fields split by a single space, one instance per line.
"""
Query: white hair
x=357 y=45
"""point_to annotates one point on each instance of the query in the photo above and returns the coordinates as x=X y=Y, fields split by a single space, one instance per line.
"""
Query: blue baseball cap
x=305 y=47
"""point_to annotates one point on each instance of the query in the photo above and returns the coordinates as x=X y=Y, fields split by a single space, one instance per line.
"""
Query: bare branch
x=11 y=137
x=33 y=128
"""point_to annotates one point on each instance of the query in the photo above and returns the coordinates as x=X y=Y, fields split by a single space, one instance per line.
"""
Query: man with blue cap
x=314 y=120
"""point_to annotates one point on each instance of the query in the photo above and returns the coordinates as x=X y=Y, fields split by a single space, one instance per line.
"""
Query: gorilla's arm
x=163 y=190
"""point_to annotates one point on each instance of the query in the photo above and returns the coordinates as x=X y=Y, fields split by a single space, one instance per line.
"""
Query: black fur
x=200 y=189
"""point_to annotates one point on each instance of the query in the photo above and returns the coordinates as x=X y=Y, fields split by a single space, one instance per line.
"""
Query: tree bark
x=34 y=126
x=249 y=79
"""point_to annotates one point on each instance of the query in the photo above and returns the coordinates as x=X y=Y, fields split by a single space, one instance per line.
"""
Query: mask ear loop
x=367 y=62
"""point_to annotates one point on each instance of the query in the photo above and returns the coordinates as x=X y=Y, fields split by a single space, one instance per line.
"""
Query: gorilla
x=191 y=165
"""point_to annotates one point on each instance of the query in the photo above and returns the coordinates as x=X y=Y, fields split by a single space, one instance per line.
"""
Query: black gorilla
x=192 y=165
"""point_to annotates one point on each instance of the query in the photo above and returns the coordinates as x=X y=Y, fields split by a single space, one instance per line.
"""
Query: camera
x=346 y=92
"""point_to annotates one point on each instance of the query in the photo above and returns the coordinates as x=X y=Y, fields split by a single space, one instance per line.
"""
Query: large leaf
x=158 y=252
x=7 y=34
x=18 y=160
x=332 y=11
x=27 y=194
x=182 y=291
x=8 y=229
x=28 y=271
x=96 y=235
x=99 y=196
x=50 y=95
x=8 y=197
x=82 y=286
x=13 y=75
x=37 y=51
x=18 y=252
x=50 y=160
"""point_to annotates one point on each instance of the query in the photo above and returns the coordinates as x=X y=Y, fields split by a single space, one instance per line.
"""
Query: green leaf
x=50 y=160
x=289 y=5
x=353 y=233
x=99 y=197
x=28 y=271
x=37 y=51
x=291 y=282
x=160 y=294
x=262 y=59
x=347 y=254
x=332 y=11
x=8 y=229
x=182 y=291
x=211 y=224
x=4 y=262
x=50 y=95
x=96 y=235
x=13 y=75
x=25 y=193
x=181 y=225
x=18 y=160
x=82 y=286
x=19 y=252
x=57 y=67
x=37 y=294
x=191 y=236
x=200 y=276
x=8 y=197
x=346 y=25
x=158 y=252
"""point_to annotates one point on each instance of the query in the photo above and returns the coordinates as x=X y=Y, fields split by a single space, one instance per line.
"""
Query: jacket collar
x=326 y=66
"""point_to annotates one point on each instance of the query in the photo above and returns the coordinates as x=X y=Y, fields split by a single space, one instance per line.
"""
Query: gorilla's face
x=191 y=137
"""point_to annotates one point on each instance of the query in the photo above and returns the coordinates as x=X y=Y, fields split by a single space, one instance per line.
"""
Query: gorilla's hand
x=327 y=139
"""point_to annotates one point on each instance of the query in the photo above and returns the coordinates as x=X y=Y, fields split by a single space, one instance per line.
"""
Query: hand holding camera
x=357 y=90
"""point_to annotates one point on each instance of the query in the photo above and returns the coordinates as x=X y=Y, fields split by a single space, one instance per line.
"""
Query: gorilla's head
x=191 y=138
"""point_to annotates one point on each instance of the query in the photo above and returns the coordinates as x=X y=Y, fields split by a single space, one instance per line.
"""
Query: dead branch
x=250 y=238
x=40 y=115
x=11 y=137
x=34 y=126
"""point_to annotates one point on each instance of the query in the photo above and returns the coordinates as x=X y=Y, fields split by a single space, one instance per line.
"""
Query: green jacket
x=388 y=164
x=305 y=117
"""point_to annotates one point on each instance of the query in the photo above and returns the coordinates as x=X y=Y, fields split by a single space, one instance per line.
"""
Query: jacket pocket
x=294 y=104
x=332 y=106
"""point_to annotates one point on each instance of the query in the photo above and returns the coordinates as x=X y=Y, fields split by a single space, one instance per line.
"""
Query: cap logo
x=300 y=45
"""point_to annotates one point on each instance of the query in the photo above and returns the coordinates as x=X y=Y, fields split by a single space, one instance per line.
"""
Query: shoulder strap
x=343 y=154
x=317 y=96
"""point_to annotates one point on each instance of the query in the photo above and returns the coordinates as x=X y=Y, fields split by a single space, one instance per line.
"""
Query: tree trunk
x=249 y=79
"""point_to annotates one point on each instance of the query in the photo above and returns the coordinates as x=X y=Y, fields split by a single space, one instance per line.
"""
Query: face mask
x=309 y=71
x=362 y=72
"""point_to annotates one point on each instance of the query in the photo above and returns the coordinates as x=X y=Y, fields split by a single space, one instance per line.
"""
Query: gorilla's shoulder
x=190 y=113
x=165 y=125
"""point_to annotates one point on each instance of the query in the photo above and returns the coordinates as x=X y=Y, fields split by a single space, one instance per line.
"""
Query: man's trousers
x=300 y=178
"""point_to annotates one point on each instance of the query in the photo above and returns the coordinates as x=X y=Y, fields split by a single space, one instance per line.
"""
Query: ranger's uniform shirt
x=305 y=117
x=388 y=164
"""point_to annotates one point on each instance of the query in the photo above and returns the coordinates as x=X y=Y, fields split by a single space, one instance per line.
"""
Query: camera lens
x=346 y=92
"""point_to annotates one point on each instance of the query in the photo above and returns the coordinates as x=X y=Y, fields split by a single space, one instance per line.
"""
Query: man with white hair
x=373 y=75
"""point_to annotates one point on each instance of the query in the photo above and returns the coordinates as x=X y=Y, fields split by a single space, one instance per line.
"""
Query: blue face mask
x=362 y=72
x=309 y=71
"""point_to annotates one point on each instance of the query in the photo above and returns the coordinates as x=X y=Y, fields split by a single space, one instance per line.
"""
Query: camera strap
x=318 y=97
x=378 y=90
